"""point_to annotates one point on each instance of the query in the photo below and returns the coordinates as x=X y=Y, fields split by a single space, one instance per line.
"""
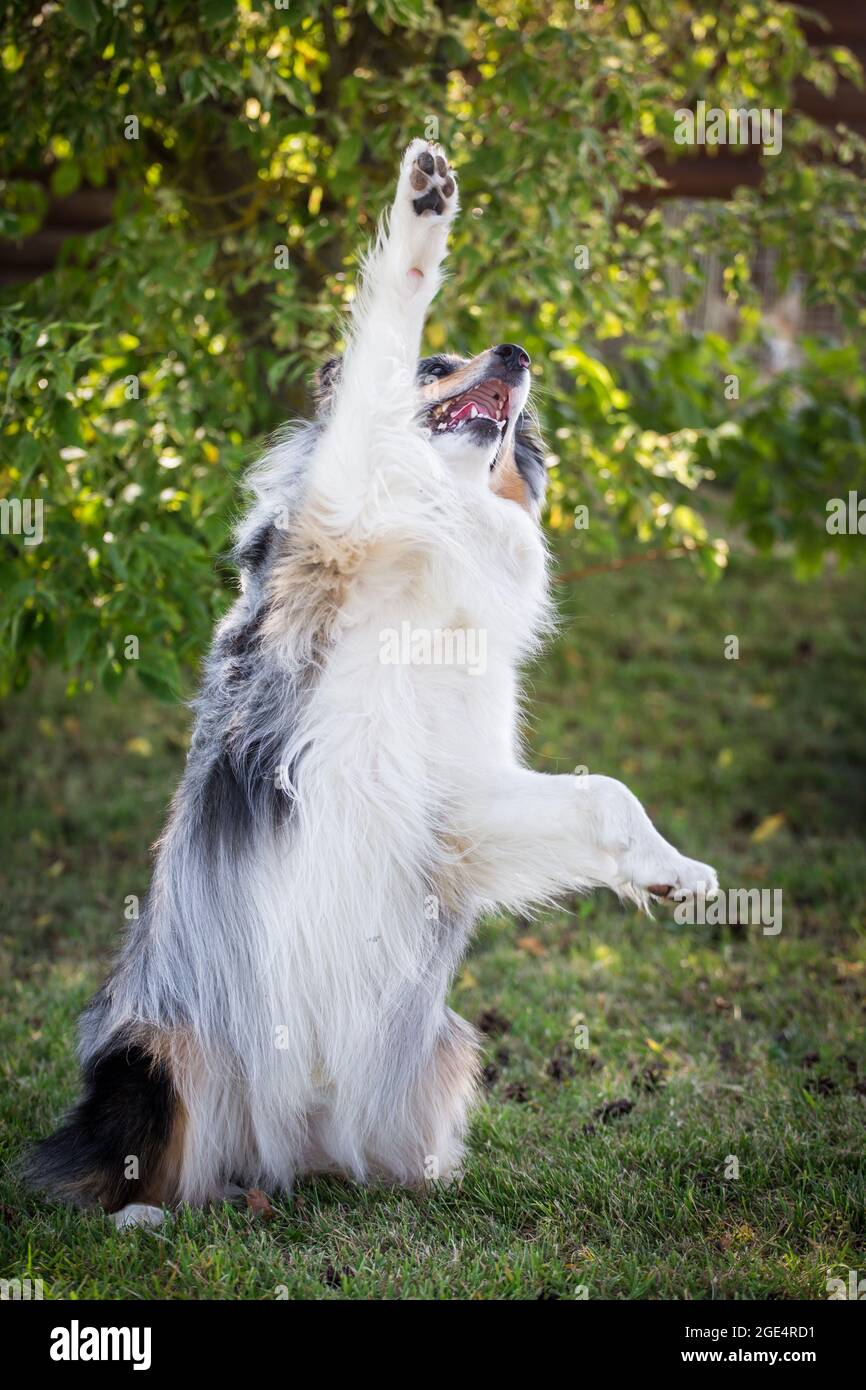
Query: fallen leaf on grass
x=490 y=1076
x=516 y=1091
x=531 y=945
x=612 y=1108
x=768 y=827
x=258 y=1203
x=142 y=747
x=821 y=1085
x=650 y=1079
x=492 y=1023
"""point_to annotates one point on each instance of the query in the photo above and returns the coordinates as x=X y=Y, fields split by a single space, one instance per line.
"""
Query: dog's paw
x=421 y=216
x=432 y=185
x=647 y=866
x=138 y=1214
x=682 y=878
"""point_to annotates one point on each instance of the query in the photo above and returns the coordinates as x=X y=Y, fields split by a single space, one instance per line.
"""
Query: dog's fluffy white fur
x=281 y=1008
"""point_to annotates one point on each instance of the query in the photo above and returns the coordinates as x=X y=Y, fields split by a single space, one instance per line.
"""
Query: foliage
x=263 y=126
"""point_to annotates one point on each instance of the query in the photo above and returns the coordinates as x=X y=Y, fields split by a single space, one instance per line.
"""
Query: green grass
x=724 y=1041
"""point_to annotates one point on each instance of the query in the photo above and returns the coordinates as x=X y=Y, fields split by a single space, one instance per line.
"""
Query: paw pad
x=430 y=177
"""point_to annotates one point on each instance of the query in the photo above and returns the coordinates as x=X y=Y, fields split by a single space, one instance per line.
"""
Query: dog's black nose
x=512 y=354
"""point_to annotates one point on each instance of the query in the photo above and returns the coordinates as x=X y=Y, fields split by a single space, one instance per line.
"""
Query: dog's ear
x=325 y=381
x=529 y=455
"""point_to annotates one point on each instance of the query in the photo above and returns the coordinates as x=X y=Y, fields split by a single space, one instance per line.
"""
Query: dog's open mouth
x=486 y=401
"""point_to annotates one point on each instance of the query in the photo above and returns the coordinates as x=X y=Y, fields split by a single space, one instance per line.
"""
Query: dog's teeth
x=472 y=413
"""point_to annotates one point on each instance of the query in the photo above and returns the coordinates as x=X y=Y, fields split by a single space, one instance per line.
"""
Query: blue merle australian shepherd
x=355 y=794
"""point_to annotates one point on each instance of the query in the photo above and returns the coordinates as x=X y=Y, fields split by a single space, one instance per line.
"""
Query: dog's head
x=478 y=416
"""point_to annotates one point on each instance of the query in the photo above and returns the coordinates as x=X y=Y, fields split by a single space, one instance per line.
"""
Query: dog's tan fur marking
x=505 y=481
x=309 y=569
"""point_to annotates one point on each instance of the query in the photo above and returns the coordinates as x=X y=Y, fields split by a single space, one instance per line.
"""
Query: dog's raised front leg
x=372 y=421
x=527 y=836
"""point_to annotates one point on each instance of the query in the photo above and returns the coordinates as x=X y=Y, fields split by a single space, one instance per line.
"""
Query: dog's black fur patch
x=253 y=555
x=529 y=457
x=128 y=1109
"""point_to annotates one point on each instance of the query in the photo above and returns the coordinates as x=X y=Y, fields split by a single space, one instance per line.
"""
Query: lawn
x=603 y=1170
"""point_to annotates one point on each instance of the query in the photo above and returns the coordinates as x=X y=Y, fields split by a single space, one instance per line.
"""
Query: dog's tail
x=122 y=1142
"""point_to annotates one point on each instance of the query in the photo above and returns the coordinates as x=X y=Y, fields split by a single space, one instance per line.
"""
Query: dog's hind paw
x=138 y=1214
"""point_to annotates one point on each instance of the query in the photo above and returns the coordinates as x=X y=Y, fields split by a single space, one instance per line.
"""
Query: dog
x=350 y=806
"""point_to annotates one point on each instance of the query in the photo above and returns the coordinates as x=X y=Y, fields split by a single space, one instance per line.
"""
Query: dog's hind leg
x=419 y=1133
x=446 y=1097
x=402 y=1115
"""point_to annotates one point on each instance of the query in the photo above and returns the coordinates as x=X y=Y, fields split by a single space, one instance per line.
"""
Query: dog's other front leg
x=524 y=837
x=372 y=422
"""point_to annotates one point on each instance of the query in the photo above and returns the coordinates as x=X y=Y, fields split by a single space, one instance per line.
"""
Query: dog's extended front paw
x=433 y=185
x=682 y=878
x=652 y=868
x=422 y=214
x=647 y=866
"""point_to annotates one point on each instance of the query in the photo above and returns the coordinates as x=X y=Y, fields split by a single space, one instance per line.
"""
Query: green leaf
x=348 y=152
x=65 y=179
x=217 y=12
x=83 y=13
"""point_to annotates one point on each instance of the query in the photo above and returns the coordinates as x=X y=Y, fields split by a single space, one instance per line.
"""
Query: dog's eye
x=434 y=371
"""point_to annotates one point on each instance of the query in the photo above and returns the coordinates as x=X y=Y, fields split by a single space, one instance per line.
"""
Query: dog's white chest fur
x=428 y=660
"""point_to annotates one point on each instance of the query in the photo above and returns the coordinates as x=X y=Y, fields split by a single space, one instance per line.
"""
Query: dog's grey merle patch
x=234 y=783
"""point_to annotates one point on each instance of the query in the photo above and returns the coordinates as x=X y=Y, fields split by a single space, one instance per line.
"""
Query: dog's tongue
x=461 y=414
